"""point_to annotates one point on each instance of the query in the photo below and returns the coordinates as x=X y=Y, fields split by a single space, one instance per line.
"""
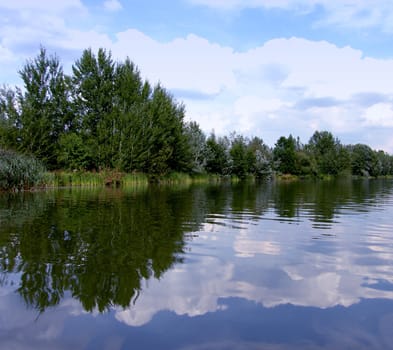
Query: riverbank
x=60 y=179
x=116 y=179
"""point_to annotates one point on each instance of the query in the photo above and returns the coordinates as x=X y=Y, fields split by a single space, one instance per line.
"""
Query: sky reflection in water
x=289 y=266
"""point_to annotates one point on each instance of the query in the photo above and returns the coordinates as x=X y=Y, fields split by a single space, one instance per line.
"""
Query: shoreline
x=114 y=179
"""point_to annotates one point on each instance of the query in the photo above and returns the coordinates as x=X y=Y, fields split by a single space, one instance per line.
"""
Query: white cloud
x=380 y=114
x=191 y=63
x=28 y=24
x=322 y=69
x=249 y=109
x=113 y=5
x=259 y=90
x=256 y=92
x=80 y=40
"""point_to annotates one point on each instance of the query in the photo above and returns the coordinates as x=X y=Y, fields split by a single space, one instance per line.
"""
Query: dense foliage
x=105 y=116
x=18 y=171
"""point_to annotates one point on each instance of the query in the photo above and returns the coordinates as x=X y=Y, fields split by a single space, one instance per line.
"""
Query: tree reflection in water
x=101 y=245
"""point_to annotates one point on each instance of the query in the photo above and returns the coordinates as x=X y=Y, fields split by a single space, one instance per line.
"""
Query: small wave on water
x=302 y=263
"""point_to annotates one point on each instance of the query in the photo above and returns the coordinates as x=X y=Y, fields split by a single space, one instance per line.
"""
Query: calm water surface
x=305 y=265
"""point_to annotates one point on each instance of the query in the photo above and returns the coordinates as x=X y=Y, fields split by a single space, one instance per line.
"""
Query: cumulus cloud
x=284 y=86
x=311 y=86
x=380 y=114
x=191 y=63
x=28 y=24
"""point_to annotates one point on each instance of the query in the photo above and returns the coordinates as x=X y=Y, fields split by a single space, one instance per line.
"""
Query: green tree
x=305 y=164
x=75 y=152
x=135 y=127
x=94 y=94
x=197 y=144
x=385 y=163
x=130 y=103
x=330 y=156
x=242 y=157
x=44 y=108
x=263 y=157
x=216 y=155
x=363 y=160
x=284 y=155
x=167 y=148
x=9 y=118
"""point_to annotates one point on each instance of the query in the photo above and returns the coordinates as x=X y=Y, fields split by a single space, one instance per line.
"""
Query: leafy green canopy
x=105 y=116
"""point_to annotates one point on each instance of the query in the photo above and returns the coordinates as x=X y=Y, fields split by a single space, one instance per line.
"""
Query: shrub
x=18 y=172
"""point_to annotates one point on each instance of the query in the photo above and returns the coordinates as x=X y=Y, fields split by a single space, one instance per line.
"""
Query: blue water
x=305 y=265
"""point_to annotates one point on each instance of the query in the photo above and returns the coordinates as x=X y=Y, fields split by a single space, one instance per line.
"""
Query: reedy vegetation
x=18 y=171
x=105 y=117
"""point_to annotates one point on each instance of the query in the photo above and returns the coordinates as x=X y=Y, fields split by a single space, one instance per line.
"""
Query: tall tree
x=263 y=157
x=129 y=103
x=135 y=129
x=197 y=144
x=385 y=163
x=217 y=155
x=363 y=160
x=94 y=92
x=167 y=142
x=330 y=156
x=284 y=155
x=9 y=118
x=44 y=107
x=243 y=159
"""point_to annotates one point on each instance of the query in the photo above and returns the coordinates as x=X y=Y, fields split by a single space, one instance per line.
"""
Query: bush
x=18 y=172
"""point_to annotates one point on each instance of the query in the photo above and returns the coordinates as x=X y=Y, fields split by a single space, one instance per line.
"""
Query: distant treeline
x=105 y=116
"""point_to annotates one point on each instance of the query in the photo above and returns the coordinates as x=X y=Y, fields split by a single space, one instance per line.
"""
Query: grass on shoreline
x=115 y=179
x=60 y=179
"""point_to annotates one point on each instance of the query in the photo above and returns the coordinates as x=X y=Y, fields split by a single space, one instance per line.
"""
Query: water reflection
x=207 y=254
x=98 y=246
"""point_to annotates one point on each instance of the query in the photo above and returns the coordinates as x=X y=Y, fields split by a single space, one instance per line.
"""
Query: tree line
x=105 y=116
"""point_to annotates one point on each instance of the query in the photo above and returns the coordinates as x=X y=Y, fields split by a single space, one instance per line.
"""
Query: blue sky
x=268 y=68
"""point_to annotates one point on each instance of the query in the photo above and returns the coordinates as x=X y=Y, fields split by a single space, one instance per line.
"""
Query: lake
x=297 y=265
